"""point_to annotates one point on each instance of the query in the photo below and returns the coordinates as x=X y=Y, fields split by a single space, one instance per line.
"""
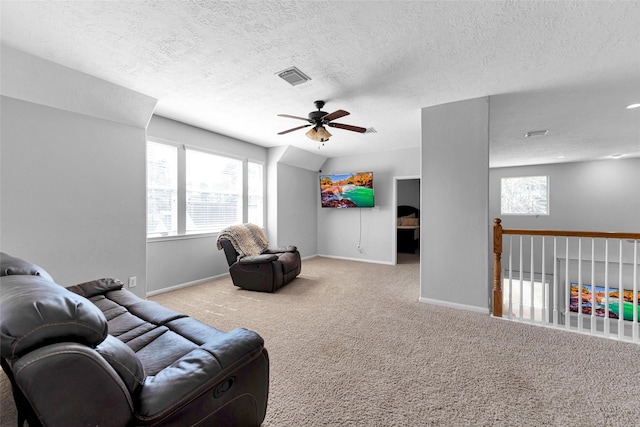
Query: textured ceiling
x=570 y=67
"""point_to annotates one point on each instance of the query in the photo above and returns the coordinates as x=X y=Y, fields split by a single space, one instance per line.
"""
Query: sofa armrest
x=258 y=259
x=201 y=372
x=70 y=384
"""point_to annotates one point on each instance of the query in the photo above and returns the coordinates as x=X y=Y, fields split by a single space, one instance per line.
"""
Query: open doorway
x=407 y=220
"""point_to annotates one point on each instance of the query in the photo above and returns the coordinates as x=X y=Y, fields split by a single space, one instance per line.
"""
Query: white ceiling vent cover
x=536 y=133
x=293 y=76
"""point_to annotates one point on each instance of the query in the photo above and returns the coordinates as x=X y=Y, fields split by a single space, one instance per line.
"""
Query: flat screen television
x=347 y=190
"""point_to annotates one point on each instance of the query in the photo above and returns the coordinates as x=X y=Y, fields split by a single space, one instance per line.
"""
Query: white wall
x=408 y=193
x=187 y=259
x=454 y=243
x=72 y=182
x=297 y=213
x=340 y=230
x=73 y=193
x=273 y=156
x=600 y=195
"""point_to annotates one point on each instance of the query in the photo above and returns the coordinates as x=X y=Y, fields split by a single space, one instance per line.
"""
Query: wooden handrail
x=498 y=231
x=563 y=233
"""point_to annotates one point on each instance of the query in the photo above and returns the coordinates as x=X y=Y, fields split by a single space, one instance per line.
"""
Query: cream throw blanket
x=247 y=239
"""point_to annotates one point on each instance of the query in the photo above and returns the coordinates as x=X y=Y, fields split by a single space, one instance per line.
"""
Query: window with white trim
x=255 y=191
x=214 y=192
x=162 y=189
x=194 y=191
x=524 y=195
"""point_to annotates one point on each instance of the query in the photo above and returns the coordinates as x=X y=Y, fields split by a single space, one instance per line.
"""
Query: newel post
x=497 y=267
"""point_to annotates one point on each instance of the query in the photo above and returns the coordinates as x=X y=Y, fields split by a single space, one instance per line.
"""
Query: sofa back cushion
x=12 y=266
x=35 y=312
x=96 y=287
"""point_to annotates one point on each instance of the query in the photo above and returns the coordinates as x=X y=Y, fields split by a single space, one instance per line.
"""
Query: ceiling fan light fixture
x=319 y=134
x=311 y=134
x=323 y=134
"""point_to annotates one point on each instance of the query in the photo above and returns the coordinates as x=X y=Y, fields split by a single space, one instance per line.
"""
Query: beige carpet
x=350 y=345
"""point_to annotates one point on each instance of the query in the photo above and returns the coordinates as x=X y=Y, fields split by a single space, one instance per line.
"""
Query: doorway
x=406 y=226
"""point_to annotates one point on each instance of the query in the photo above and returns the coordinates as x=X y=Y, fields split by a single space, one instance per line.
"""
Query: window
x=255 y=190
x=527 y=195
x=192 y=191
x=214 y=192
x=162 y=189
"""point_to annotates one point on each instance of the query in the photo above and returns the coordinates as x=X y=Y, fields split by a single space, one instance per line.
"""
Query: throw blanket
x=247 y=239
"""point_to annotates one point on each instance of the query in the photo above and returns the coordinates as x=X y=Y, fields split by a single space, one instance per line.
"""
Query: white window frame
x=532 y=212
x=182 y=191
x=263 y=190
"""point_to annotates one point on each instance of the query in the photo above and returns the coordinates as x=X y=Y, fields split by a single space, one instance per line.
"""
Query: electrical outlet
x=132 y=282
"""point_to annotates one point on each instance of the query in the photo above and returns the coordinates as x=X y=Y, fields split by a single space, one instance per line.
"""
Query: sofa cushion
x=12 y=266
x=96 y=287
x=35 y=312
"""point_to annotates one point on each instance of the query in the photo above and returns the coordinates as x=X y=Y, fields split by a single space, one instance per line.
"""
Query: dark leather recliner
x=96 y=354
x=266 y=272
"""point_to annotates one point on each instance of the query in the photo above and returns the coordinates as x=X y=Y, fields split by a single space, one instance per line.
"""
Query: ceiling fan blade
x=335 y=115
x=294 y=117
x=291 y=130
x=347 y=127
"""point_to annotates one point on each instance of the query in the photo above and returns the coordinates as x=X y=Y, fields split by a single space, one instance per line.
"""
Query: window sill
x=182 y=237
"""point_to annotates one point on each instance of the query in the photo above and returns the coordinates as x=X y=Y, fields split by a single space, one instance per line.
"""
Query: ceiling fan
x=319 y=119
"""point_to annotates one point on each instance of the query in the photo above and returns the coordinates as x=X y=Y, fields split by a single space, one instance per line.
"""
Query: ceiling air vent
x=293 y=76
x=536 y=133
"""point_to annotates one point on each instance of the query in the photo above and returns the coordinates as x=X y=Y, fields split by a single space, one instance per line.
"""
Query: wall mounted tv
x=347 y=190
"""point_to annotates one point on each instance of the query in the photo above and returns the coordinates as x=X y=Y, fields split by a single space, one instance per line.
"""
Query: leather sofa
x=267 y=272
x=96 y=354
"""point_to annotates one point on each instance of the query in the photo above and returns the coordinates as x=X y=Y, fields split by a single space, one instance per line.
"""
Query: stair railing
x=561 y=312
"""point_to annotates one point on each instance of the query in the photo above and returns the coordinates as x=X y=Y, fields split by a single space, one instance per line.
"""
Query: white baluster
x=593 y=287
x=521 y=305
x=567 y=288
x=555 y=281
x=620 y=294
x=544 y=286
x=634 y=328
x=579 y=284
x=532 y=309
x=606 y=288
x=510 y=276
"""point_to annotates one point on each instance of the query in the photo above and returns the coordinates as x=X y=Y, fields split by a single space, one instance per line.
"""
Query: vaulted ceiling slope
x=567 y=66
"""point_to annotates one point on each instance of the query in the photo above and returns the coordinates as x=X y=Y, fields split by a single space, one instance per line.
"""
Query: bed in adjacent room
x=408 y=229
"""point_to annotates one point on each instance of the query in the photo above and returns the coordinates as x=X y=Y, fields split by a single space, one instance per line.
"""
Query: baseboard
x=197 y=282
x=449 y=304
x=185 y=285
x=372 y=261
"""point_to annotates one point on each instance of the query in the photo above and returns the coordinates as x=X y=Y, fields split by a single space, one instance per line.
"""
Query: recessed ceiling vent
x=293 y=76
x=536 y=133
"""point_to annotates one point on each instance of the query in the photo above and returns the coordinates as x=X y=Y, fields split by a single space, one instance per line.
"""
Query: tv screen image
x=598 y=303
x=347 y=190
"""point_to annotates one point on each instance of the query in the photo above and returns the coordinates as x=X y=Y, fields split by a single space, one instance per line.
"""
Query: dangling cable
x=360 y=236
